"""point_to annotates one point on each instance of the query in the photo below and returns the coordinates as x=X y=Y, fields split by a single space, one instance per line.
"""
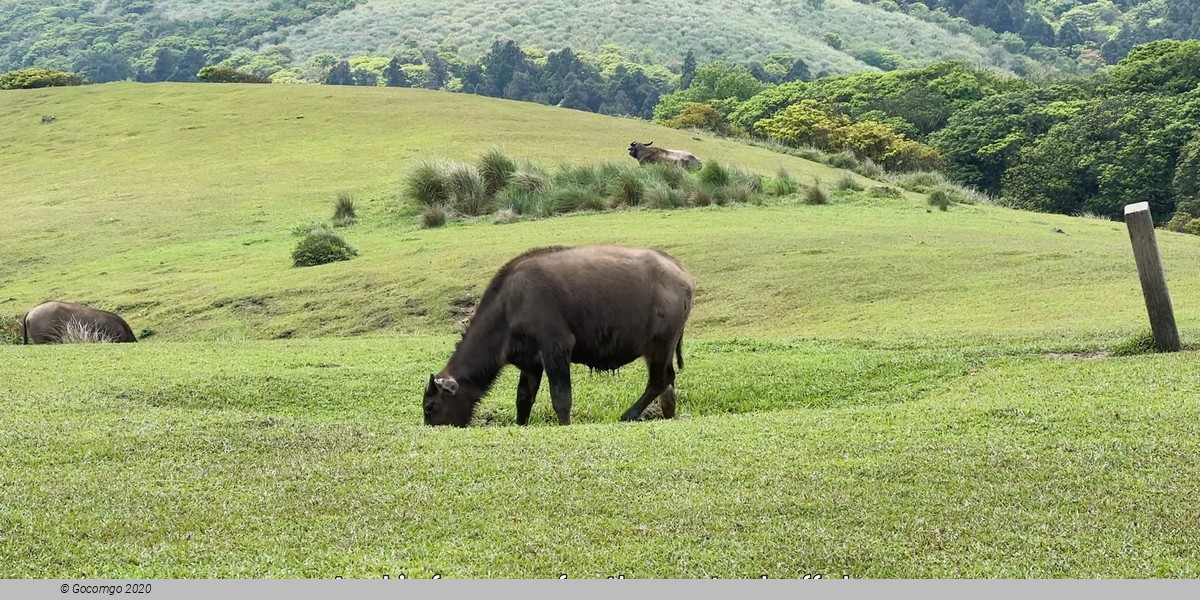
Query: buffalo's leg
x=657 y=383
x=666 y=400
x=527 y=391
x=558 y=370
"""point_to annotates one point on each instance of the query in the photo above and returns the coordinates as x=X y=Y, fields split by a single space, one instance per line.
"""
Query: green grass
x=871 y=387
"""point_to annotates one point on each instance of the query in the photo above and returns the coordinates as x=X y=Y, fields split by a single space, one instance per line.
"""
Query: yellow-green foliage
x=805 y=123
x=808 y=123
x=700 y=116
x=38 y=78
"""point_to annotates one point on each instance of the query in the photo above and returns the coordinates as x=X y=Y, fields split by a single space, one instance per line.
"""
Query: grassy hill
x=872 y=388
x=716 y=29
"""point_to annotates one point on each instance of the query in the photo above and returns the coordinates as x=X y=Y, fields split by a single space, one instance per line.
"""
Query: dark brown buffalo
x=47 y=322
x=647 y=153
x=600 y=306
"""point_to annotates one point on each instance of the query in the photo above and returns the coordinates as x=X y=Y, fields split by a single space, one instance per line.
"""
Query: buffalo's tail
x=25 y=329
x=679 y=352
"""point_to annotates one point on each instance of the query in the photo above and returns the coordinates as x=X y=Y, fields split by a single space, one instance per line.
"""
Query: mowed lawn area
x=873 y=388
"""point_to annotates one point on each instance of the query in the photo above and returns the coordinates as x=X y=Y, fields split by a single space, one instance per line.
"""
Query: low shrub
x=843 y=160
x=321 y=245
x=884 y=191
x=1178 y=222
x=36 y=77
x=228 y=74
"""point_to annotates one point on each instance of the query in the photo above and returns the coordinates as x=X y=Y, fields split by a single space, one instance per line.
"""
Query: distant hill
x=833 y=37
x=155 y=40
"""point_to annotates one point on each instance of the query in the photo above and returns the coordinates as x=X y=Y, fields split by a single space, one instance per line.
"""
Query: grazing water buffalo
x=600 y=306
x=48 y=322
x=647 y=153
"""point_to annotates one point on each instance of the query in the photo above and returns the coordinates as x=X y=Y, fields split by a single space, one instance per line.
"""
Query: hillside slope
x=717 y=29
x=175 y=202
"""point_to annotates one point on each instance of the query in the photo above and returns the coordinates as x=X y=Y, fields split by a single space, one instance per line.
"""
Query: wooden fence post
x=1154 y=281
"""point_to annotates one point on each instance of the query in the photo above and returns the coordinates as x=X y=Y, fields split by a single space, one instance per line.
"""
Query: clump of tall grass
x=427 y=183
x=75 y=331
x=663 y=196
x=497 y=169
x=628 y=188
x=468 y=191
x=434 y=216
x=940 y=199
x=849 y=182
x=921 y=182
x=530 y=178
x=869 y=169
x=499 y=186
x=783 y=184
x=345 y=210
x=715 y=174
x=815 y=194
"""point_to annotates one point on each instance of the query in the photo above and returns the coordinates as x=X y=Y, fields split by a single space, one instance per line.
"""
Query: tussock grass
x=783 y=184
x=427 y=183
x=345 y=210
x=815 y=193
x=434 y=216
x=535 y=190
x=849 y=182
x=468 y=190
x=940 y=199
x=497 y=169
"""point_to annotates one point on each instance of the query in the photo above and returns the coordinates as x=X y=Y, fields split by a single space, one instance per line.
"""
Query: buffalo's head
x=636 y=149
x=448 y=403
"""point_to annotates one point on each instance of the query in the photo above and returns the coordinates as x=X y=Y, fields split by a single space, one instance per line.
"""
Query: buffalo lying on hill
x=646 y=153
x=56 y=322
x=600 y=306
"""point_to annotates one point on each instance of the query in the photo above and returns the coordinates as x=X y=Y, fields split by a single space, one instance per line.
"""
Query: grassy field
x=872 y=388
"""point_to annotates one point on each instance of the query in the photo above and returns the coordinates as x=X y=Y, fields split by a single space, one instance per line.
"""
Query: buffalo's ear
x=448 y=385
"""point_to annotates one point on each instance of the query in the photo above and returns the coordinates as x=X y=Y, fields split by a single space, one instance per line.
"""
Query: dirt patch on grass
x=1093 y=355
